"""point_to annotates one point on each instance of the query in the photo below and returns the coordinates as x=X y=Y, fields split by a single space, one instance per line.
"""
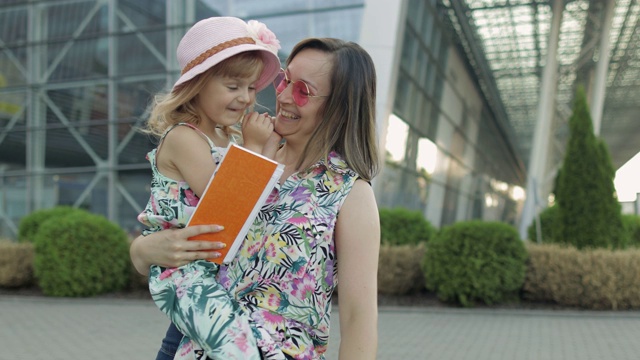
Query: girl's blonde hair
x=168 y=109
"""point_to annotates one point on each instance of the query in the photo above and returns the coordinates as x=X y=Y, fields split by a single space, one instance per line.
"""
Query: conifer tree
x=589 y=212
x=612 y=211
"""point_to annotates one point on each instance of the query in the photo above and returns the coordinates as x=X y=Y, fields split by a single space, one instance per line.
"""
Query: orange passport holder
x=237 y=190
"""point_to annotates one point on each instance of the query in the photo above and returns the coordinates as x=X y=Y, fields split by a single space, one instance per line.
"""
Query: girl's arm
x=185 y=155
x=358 y=245
x=171 y=248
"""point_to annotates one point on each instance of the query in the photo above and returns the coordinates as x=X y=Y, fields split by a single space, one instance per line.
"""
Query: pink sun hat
x=215 y=39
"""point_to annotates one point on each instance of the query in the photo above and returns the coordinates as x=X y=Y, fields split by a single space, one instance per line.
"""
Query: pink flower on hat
x=263 y=36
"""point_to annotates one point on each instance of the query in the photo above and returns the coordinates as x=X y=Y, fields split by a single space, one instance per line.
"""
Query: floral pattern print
x=172 y=202
x=203 y=310
x=286 y=270
x=189 y=295
x=283 y=276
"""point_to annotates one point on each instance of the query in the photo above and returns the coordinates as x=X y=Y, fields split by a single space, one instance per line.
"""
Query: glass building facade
x=76 y=77
x=446 y=154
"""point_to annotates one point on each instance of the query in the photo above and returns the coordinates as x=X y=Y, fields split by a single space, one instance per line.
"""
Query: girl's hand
x=271 y=147
x=256 y=131
x=171 y=247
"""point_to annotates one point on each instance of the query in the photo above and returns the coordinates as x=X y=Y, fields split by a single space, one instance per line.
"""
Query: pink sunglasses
x=300 y=90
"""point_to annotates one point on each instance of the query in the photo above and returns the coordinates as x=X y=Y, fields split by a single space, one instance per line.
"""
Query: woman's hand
x=171 y=247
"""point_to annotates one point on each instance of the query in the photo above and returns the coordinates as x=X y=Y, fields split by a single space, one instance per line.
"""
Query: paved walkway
x=108 y=329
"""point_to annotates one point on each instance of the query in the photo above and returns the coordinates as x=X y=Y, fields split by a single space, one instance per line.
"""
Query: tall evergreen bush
x=589 y=213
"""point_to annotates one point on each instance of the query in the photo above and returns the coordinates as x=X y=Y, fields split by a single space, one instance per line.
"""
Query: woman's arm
x=358 y=247
x=171 y=248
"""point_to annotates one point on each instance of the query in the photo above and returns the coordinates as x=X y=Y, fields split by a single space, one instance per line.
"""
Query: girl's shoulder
x=185 y=133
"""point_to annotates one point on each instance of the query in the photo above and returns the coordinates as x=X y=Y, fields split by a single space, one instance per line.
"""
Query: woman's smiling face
x=298 y=122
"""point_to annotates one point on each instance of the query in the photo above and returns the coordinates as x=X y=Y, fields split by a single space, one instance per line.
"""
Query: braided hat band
x=214 y=50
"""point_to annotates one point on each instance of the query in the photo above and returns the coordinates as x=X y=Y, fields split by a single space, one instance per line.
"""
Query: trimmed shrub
x=548 y=224
x=631 y=225
x=475 y=261
x=16 y=264
x=81 y=254
x=30 y=224
x=400 y=226
x=590 y=279
x=399 y=269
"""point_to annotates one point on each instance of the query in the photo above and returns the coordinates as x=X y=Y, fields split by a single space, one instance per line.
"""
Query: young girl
x=224 y=62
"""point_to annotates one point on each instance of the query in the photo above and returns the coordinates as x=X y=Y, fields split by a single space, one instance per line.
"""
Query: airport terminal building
x=473 y=95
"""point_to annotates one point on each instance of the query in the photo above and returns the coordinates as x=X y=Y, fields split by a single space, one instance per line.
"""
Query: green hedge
x=80 y=254
x=30 y=224
x=548 y=224
x=631 y=224
x=400 y=226
x=474 y=261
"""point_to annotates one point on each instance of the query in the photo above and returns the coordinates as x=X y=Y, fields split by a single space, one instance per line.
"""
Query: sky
x=627 y=179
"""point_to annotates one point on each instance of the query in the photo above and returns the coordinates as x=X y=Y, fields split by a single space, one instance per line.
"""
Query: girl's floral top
x=286 y=270
x=172 y=202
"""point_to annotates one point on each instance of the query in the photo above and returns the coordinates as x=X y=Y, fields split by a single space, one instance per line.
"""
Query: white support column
x=602 y=68
x=36 y=110
x=179 y=14
x=112 y=88
x=542 y=134
x=381 y=42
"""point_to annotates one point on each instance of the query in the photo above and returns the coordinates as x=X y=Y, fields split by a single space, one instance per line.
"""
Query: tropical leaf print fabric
x=203 y=311
x=172 y=202
x=189 y=295
x=283 y=277
x=286 y=270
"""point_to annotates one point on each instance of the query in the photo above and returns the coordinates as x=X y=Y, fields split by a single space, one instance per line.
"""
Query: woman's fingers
x=198 y=230
x=196 y=249
x=196 y=255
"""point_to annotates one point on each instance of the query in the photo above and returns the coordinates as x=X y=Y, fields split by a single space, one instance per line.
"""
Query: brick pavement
x=107 y=329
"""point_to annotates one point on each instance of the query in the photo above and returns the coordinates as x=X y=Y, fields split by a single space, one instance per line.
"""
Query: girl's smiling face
x=224 y=100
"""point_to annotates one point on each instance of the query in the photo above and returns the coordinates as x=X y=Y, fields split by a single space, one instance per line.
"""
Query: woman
x=301 y=250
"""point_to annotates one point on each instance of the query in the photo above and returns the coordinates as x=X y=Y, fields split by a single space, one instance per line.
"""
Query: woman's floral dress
x=286 y=271
x=201 y=308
